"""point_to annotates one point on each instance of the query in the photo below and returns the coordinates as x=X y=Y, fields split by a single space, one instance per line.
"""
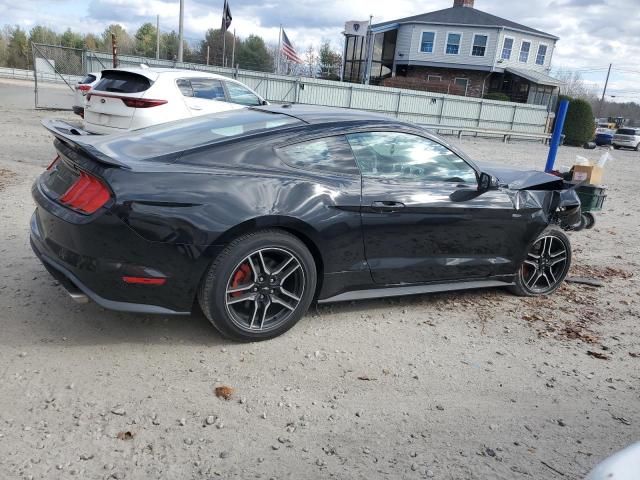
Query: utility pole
x=604 y=92
x=157 y=37
x=114 y=50
x=181 y=31
x=233 y=49
x=207 y=54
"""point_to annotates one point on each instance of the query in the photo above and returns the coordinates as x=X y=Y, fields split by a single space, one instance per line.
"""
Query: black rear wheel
x=545 y=266
x=259 y=286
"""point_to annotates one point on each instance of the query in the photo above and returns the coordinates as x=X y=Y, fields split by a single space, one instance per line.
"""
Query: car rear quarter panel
x=201 y=207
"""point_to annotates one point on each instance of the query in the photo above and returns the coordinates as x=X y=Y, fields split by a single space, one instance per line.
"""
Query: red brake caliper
x=239 y=277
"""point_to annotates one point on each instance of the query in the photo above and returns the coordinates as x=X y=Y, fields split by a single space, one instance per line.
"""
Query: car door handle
x=387 y=205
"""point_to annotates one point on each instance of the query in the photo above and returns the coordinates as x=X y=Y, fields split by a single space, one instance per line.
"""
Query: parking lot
x=470 y=385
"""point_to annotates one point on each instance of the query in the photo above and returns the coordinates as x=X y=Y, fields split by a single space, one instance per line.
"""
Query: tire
x=590 y=220
x=259 y=286
x=556 y=248
x=638 y=147
x=616 y=147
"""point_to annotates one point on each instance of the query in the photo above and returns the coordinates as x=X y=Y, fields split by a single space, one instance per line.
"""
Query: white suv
x=627 y=137
x=132 y=98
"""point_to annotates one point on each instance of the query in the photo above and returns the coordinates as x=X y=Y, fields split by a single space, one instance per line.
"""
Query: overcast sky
x=592 y=33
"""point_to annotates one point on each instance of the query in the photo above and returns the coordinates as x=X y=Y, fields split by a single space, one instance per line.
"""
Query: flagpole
x=224 y=34
x=279 y=50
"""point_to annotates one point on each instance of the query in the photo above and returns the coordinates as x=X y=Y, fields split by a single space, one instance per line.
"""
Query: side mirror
x=486 y=182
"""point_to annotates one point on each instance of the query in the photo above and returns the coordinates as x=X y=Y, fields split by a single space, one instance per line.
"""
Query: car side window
x=408 y=156
x=329 y=154
x=242 y=95
x=184 y=86
x=208 y=88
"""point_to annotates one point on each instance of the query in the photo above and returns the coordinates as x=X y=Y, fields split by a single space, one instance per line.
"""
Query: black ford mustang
x=255 y=213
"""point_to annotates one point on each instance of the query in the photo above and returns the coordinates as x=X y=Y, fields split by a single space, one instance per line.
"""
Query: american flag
x=288 y=50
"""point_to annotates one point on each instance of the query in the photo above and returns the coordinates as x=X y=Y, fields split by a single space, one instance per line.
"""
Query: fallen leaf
x=599 y=355
x=126 y=435
x=224 y=392
x=634 y=354
x=366 y=378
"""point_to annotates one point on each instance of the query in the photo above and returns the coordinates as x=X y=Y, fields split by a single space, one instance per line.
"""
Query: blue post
x=557 y=135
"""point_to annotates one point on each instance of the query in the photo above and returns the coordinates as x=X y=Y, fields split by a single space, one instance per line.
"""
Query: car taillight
x=86 y=195
x=83 y=88
x=53 y=162
x=142 y=102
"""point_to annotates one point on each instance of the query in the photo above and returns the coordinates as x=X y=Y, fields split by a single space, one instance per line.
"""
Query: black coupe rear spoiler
x=79 y=140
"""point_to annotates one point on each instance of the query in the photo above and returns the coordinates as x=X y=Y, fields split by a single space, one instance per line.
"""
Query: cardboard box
x=592 y=174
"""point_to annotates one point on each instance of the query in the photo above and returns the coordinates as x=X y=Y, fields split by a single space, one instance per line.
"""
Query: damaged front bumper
x=556 y=198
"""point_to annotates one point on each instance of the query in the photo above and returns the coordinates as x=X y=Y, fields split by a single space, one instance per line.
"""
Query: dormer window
x=453 y=43
x=479 y=47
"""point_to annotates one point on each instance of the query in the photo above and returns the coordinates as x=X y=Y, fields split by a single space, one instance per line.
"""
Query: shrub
x=579 y=125
x=497 y=96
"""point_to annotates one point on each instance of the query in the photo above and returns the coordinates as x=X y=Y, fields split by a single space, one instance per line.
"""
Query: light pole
x=181 y=30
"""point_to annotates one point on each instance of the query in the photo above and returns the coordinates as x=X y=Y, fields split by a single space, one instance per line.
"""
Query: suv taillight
x=86 y=195
x=141 y=102
x=83 y=87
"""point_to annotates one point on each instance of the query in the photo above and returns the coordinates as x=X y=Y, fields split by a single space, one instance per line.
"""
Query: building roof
x=464 y=16
x=535 y=77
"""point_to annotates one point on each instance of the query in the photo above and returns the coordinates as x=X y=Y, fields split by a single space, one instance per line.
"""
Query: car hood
x=522 y=179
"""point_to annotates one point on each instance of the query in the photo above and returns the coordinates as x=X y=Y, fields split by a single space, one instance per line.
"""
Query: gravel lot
x=471 y=385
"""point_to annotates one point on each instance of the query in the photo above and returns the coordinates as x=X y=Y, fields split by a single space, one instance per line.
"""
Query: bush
x=497 y=96
x=579 y=125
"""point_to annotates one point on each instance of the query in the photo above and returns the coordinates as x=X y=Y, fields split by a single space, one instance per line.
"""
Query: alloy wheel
x=264 y=289
x=545 y=264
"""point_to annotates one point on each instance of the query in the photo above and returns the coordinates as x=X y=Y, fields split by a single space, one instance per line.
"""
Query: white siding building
x=458 y=50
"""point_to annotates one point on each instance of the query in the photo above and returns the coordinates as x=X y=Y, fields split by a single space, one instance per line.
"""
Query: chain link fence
x=56 y=70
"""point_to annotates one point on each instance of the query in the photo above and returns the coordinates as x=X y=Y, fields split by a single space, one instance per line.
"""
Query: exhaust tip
x=79 y=297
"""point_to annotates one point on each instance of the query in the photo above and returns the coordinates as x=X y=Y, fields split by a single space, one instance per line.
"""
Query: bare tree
x=311 y=60
x=573 y=84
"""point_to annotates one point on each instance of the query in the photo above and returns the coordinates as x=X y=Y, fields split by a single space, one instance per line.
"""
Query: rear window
x=173 y=137
x=626 y=131
x=122 y=82
x=88 y=79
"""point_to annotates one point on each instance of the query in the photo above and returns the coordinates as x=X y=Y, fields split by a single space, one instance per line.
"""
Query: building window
x=462 y=83
x=507 y=47
x=479 y=47
x=428 y=40
x=453 y=43
x=524 y=51
x=542 y=54
x=434 y=78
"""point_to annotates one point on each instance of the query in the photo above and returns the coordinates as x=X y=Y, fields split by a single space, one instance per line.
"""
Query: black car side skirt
x=414 y=290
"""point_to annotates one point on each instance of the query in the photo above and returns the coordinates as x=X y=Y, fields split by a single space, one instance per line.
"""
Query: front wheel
x=259 y=286
x=545 y=266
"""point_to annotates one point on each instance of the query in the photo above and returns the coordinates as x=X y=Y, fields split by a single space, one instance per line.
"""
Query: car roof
x=152 y=73
x=314 y=114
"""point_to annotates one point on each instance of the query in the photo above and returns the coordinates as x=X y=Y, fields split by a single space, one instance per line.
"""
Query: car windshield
x=182 y=135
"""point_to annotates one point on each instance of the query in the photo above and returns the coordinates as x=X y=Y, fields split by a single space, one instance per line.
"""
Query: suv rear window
x=88 y=79
x=122 y=82
x=626 y=131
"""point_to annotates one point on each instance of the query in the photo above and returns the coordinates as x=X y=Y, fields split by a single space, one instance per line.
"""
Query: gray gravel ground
x=473 y=385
